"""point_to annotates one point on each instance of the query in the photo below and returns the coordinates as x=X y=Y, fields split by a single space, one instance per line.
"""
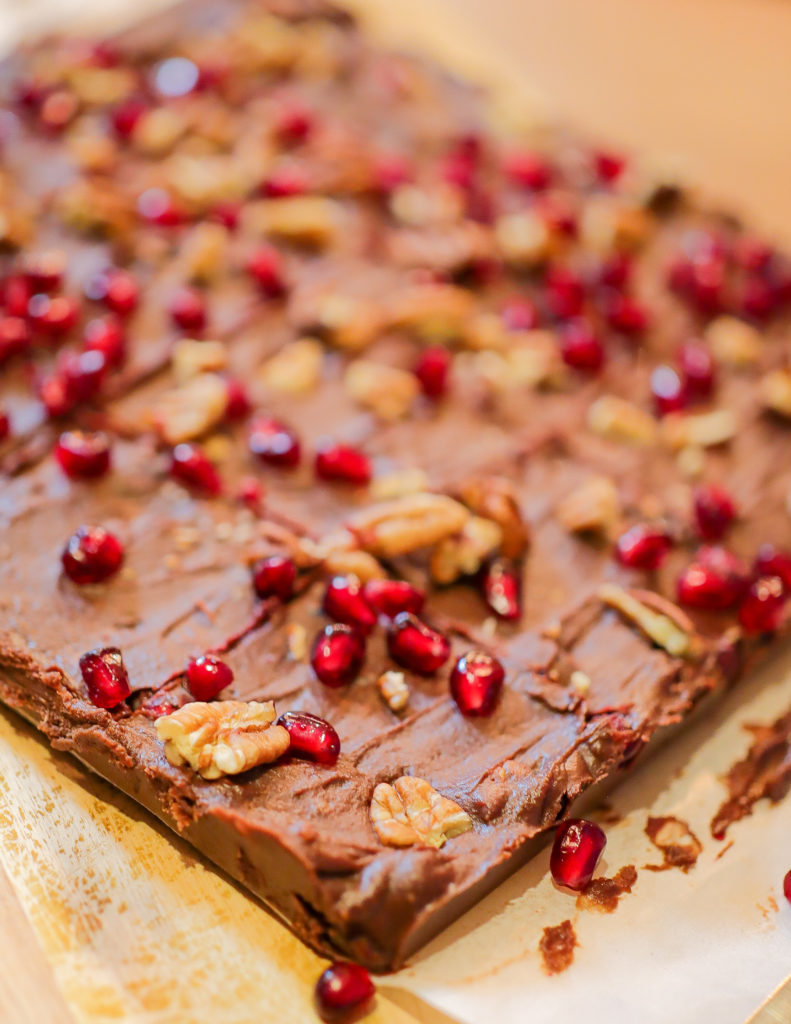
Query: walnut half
x=225 y=737
x=412 y=811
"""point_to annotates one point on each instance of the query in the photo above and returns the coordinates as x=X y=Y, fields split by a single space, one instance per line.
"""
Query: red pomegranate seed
x=251 y=493
x=55 y=397
x=5 y=426
x=157 y=206
x=752 y=254
x=275 y=443
x=757 y=298
x=274 y=576
x=126 y=115
x=83 y=374
x=311 y=737
x=53 y=316
x=431 y=370
x=105 y=677
x=558 y=216
x=519 y=314
x=565 y=293
x=92 y=555
x=44 y=271
x=58 y=110
x=293 y=123
x=343 y=989
x=265 y=266
x=714 y=511
x=581 y=348
x=787 y=886
x=83 y=456
x=501 y=584
x=772 y=561
x=643 y=546
x=14 y=337
x=475 y=683
x=106 y=335
x=707 y=284
x=16 y=295
x=121 y=292
x=608 y=167
x=389 y=597
x=159 y=705
x=340 y=463
x=389 y=171
x=416 y=646
x=625 y=314
x=697 y=368
x=761 y=611
x=191 y=466
x=575 y=852
x=227 y=213
x=344 y=601
x=238 y=404
x=206 y=676
x=188 y=309
x=667 y=387
x=615 y=271
x=285 y=181
x=716 y=580
x=528 y=170
x=338 y=654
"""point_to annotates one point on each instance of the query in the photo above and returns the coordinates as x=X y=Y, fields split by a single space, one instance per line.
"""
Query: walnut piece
x=225 y=737
x=204 y=251
x=523 y=238
x=398 y=484
x=733 y=342
x=620 y=420
x=191 y=358
x=433 y=311
x=665 y=631
x=776 y=391
x=297 y=641
x=193 y=408
x=592 y=507
x=296 y=368
x=394 y=690
x=412 y=811
x=386 y=390
x=493 y=497
x=312 y=221
x=463 y=553
x=405 y=524
x=702 y=430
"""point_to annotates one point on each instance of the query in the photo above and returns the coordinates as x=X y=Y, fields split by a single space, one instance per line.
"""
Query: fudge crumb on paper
x=557 y=947
x=603 y=894
x=679 y=845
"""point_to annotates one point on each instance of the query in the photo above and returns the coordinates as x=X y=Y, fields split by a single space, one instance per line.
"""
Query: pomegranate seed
x=14 y=337
x=389 y=171
x=55 y=397
x=58 y=110
x=643 y=546
x=787 y=886
x=53 y=316
x=757 y=298
x=344 y=601
x=121 y=292
x=157 y=206
x=715 y=581
x=238 y=404
x=708 y=284
x=265 y=266
x=575 y=852
x=251 y=493
x=106 y=335
x=275 y=444
x=105 y=677
x=608 y=167
x=697 y=368
x=311 y=737
x=528 y=170
x=667 y=387
x=559 y=217
x=206 y=676
x=340 y=463
x=580 y=348
x=92 y=555
x=192 y=467
x=293 y=123
x=16 y=295
x=227 y=213
x=343 y=989
x=274 y=576
x=29 y=93
x=416 y=646
x=83 y=374
x=714 y=511
x=431 y=370
x=458 y=168
x=475 y=683
x=83 y=456
x=761 y=611
x=565 y=293
x=5 y=426
x=752 y=254
x=501 y=584
x=389 y=597
x=44 y=271
x=771 y=561
x=126 y=115
x=188 y=309
x=519 y=314
x=158 y=706
x=283 y=182
x=625 y=314
x=338 y=654
x=615 y=271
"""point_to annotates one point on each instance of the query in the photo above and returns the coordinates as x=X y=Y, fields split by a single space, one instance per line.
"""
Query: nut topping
x=385 y=390
x=592 y=508
x=188 y=411
x=305 y=220
x=620 y=420
x=733 y=342
x=412 y=811
x=222 y=738
x=394 y=690
x=776 y=391
x=296 y=368
x=192 y=358
x=658 y=626
x=493 y=497
x=406 y=524
x=463 y=553
x=702 y=430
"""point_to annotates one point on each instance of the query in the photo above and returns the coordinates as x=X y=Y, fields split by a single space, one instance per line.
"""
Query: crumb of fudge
x=557 y=947
x=679 y=845
x=604 y=894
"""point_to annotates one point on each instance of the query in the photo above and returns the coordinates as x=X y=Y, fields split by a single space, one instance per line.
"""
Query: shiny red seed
x=559 y=216
x=191 y=466
x=389 y=597
x=207 y=676
x=159 y=705
x=716 y=580
x=14 y=337
x=714 y=511
x=528 y=170
x=668 y=390
x=697 y=367
x=285 y=181
x=105 y=334
x=311 y=737
x=519 y=314
x=608 y=167
x=227 y=213
x=581 y=348
x=707 y=285
x=616 y=271
x=757 y=298
x=188 y=309
x=389 y=171
x=238 y=404
x=772 y=561
x=274 y=576
x=565 y=292
x=53 y=316
x=265 y=266
x=126 y=115
x=340 y=463
x=5 y=426
x=157 y=206
x=345 y=601
x=16 y=295
x=275 y=443
x=105 y=677
x=501 y=585
x=752 y=254
x=82 y=455
x=121 y=292
x=625 y=314
x=92 y=555
x=787 y=886
x=343 y=989
x=54 y=395
x=338 y=654
x=293 y=123
x=58 y=110
x=431 y=369
x=575 y=852
x=44 y=270
x=643 y=546
x=251 y=493
x=83 y=374
x=761 y=610
x=414 y=645
x=475 y=683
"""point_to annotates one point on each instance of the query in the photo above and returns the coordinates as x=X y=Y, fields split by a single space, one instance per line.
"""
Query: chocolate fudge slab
x=557 y=281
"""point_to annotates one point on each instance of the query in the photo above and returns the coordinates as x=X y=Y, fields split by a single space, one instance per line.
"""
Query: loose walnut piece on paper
x=660 y=620
x=592 y=508
x=386 y=390
x=225 y=737
x=463 y=553
x=406 y=524
x=296 y=368
x=412 y=811
x=493 y=497
x=620 y=420
x=394 y=690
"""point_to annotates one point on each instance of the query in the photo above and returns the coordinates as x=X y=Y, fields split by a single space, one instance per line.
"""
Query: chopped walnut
x=202 y=180
x=776 y=391
x=98 y=86
x=353 y=563
x=158 y=130
x=620 y=420
x=593 y=507
x=349 y=323
x=463 y=553
x=394 y=690
x=95 y=206
x=406 y=524
x=297 y=641
x=398 y=484
x=580 y=681
x=204 y=251
x=91 y=149
x=305 y=220
x=420 y=208
x=296 y=368
x=703 y=429
x=412 y=811
x=664 y=623
x=266 y=43
x=691 y=461
x=523 y=238
x=191 y=358
x=386 y=390
x=493 y=497
x=224 y=737
x=432 y=310
x=733 y=342
x=190 y=410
